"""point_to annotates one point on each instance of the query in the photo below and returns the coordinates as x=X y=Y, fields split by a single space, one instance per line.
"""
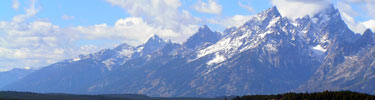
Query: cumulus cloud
x=38 y=43
x=348 y=15
x=162 y=15
x=355 y=26
x=29 y=13
x=133 y=30
x=300 y=8
x=15 y=4
x=86 y=49
x=210 y=7
x=35 y=43
x=369 y=24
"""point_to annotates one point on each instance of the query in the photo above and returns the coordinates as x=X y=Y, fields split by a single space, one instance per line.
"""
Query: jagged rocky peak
x=123 y=46
x=326 y=15
x=154 y=38
x=204 y=28
x=368 y=34
x=264 y=19
x=271 y=12
x=331 y=27
x=153 y=43
x=229 y=30
x=321 y=18
x=204 y=36
x=367 y=37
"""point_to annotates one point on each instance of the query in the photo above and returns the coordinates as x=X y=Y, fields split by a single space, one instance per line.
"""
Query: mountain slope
x=13 y=75
x=203 y=38
x=352 y=71
x=84 y=73
x=266 y=55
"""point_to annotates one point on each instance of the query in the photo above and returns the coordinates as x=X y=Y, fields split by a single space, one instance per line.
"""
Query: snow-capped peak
x=271 y=12
x=123 y=46
x=204 y=28
x=155 y=37
x=153 y=43
x=264 y=18
x=326 y=15
x=202 y=37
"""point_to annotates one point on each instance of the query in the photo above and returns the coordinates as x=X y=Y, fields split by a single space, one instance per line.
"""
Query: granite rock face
x=268 y=54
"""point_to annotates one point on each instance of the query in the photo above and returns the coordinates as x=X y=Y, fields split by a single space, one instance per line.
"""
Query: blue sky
x=41 y=32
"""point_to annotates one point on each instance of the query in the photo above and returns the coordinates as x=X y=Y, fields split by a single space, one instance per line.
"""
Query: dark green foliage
x=326 y=95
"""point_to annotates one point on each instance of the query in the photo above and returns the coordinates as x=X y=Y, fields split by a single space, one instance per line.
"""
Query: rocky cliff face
x=268 y=54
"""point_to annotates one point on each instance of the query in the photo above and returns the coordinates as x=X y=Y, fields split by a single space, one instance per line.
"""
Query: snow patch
x=324 y=18
x=126 y=52
x=218 y=58
x=295 y=23
x=76 y=59
x=264 y=34
x=272 y=22
x=271 y=47
x=318 y=49
x=108 y=63
x=304 y=31
x=140 y=49
x=27 y=67
x=221 y=45
x=314 y=20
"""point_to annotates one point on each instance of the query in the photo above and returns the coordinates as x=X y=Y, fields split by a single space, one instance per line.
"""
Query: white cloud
x=348 y=14
x=35 y=43
x=370 y=24
x=29 y=13
x=67 y=17
x=369 y=5
x=210 y=7
x=15 y=4
x=247 y=7
x=352 y=24
x=162 y=16
x=87 y=49
x=233 y=21
x=300 y=8
x=133 y=30
x=38 y=43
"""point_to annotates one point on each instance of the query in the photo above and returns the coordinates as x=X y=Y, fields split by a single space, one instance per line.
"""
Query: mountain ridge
x=268 y=54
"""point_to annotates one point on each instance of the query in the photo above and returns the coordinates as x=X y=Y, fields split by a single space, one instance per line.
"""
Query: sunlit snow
x=76 y=59
x=218 y=58
x=318 y=49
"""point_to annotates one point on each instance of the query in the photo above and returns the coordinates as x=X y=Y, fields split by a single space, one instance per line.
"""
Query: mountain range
x=268 y=54
x=13 y=75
